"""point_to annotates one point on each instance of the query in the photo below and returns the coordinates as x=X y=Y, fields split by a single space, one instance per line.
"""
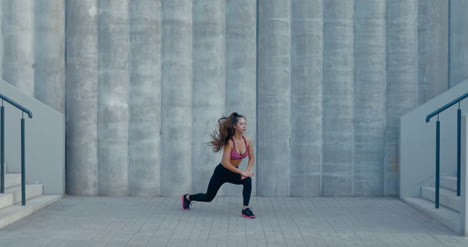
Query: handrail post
x=23 y=170
x=458 y=149
x=437 y=163
x=2 y=143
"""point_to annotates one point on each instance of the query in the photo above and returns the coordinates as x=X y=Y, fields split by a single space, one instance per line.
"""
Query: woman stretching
x=236 y=146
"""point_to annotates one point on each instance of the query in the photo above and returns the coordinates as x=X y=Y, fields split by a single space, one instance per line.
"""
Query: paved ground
x=130 y=221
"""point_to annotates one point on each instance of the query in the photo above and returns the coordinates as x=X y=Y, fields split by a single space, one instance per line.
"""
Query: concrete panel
x=17 y=30
x=458 y=42
x=81 y=100
x=369 y=96
x=1 y=42
x=306 y=97
x=402 y=81
x=463 y=175
x=176 y=101
x=240 y=66
x=432 y=48
x=208 y=87
x=44 y=134
x=274 y=98
x=113 y=116
x=145 y=98
x=49 y=53
x=338 y=100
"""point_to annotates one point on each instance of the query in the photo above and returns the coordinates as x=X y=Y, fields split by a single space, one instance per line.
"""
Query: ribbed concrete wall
x=144 y=98
x=176 y=88
x=1 y=42
x=433 y=48
x=113 y=88
x=322 y=86
x=17 y=34
x=369 y=96
x=49 y=52
x=338 y=98
x=82 y=97
x=458 y=42
x=273 y=109
x=306 y=98
x=402 y=83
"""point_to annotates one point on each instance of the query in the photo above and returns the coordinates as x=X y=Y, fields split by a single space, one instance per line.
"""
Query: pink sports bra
x=235 y=155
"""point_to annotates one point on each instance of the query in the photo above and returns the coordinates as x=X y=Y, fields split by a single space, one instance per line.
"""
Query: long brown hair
x=225 y=131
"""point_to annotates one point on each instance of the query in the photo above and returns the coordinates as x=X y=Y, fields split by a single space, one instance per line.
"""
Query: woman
x=236 y=147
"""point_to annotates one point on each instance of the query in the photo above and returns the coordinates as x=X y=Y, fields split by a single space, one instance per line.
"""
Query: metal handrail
x=443 y=108
x=23 y=151
x=22 y=108
x=428 y=118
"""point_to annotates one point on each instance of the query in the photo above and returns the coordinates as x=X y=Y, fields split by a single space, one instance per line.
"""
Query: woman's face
x=241 y=125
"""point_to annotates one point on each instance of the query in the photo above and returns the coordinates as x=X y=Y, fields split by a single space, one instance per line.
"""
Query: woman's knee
x=210 y=197
x=247 y=180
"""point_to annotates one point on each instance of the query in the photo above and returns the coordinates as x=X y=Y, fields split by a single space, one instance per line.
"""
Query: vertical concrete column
x=208 y=86
x=369 y=96
x=464 y=173
x=1 y=40
x=432 y=48
x=458 y=42
x=113 y=117
x=145 y=98
x=176 y=114
x=274 y=129
x=240 y=60
x=306 y=97
x=81 y=100
x=402 y=80
x=338 y=98
x=49 y=52
x=18 y=68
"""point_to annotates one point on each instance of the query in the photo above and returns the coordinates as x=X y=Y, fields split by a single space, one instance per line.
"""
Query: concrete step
x=13 y=213
x=444 y=215
x=449 y=182
x=12 y=195
x=12 y=179
x=447 y=198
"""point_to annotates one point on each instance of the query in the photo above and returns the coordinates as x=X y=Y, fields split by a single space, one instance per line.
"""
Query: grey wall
x=44 y=141
x=81 y=97
x=144 y=98
x=322 y=85
x=417 y=142
x=370 y=81
x=273 y=102
x=458 y=42
x=33 y=41
x=463 y=184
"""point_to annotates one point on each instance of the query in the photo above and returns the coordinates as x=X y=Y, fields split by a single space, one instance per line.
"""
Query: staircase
x=10 y=201
x=35 y=147
x=449 y=210
x=433 y=151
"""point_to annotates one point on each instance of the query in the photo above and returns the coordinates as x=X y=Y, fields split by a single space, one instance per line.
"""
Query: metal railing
x=23 y=150
x=428 y=118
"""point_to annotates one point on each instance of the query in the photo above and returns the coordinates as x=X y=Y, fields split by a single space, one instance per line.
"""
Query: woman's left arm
x=251 y=155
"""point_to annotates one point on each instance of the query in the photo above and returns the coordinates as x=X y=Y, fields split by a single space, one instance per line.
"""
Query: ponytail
x=225 y=131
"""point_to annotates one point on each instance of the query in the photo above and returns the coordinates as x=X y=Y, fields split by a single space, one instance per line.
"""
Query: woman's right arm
x=226 y=161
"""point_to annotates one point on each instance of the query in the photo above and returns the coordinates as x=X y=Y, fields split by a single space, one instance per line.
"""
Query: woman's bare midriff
x=235 y=162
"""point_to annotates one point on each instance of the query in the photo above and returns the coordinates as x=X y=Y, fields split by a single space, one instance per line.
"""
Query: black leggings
x=220 y=176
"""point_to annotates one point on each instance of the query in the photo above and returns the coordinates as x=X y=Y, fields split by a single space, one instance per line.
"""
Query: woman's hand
x=246 y=174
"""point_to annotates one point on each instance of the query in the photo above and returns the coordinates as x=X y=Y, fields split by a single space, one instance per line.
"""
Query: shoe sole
x=182 y=200
x=246 y=216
